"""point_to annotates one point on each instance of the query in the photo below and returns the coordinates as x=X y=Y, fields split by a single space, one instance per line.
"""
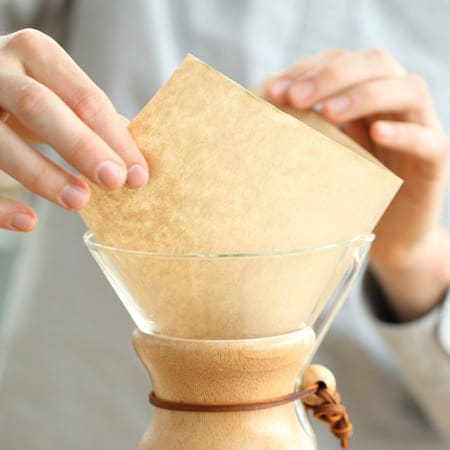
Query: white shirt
x=70 y=379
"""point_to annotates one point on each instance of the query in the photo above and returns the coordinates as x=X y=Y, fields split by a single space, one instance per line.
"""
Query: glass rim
x=231 y=341
x=90 y=242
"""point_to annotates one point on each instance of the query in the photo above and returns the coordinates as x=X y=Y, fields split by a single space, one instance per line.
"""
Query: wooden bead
x=314 y=374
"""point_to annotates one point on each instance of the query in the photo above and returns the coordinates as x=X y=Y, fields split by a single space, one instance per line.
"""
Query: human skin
x=391 y=113
x=45 y=97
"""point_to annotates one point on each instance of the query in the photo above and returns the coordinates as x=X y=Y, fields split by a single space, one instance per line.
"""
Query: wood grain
x=225 y=371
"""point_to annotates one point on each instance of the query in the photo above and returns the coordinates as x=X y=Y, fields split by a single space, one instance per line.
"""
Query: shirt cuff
x=435 y=323
x=421 y=348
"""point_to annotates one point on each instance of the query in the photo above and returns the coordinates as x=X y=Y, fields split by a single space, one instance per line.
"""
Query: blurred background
x=10 y=241
x=68 y=375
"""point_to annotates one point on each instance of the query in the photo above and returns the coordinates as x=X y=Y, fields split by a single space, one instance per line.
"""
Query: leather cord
x=334 y=413
x=331 y=411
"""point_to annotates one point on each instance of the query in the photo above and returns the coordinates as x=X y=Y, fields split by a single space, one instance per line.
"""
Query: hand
x=391 y=113
x=46 y=97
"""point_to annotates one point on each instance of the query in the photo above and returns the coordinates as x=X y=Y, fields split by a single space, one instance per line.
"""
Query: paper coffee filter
x=316 y=121
x=226 y=298
x=230 y=173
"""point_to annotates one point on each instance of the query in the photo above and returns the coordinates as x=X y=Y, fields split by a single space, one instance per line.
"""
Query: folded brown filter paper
x=231 y=173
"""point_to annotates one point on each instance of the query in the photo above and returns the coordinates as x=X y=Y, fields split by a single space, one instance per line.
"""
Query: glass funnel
x=232 y=296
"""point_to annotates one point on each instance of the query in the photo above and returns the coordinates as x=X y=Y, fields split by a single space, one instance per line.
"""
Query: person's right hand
x=45 y=97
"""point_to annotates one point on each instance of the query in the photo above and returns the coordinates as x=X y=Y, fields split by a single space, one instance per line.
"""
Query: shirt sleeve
x=422 y=350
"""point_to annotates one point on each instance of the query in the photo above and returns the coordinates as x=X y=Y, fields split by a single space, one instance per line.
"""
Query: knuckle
x=339 y=52
x=371 y=93
x=88 y=105
x=30 y=100
x=40 y=179
x=434 y=155
x=83 y=150
x=417 y=138
x=418 y=83
x=29 y=39
x=383 y=59
x=25 y=37
x=333 y=73
x=380 y=55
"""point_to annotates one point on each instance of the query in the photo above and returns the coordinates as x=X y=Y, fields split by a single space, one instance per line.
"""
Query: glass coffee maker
x=230 y=329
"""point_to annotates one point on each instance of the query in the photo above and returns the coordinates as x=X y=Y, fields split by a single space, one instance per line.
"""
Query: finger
x=357 y=130
x=340 y=73
x=429 y=145
x=47 y=115
x=408 y=95
x=22 y=130
x=48 y=63
x=4 y=116
x=39 y=174
x=16 y=216
x=277 y=86
x=318 y=59
x=124 y=120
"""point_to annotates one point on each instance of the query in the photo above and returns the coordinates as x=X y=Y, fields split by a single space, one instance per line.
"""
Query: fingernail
x=110 y=174
x=301 y=90
x=137 y=176
x=386 y=129
x=21 y=221
x=318 y=107
x=73 y=197
x=338 y=104
x=279 y=87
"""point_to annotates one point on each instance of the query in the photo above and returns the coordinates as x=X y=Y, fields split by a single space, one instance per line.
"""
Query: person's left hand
x=391 y=113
